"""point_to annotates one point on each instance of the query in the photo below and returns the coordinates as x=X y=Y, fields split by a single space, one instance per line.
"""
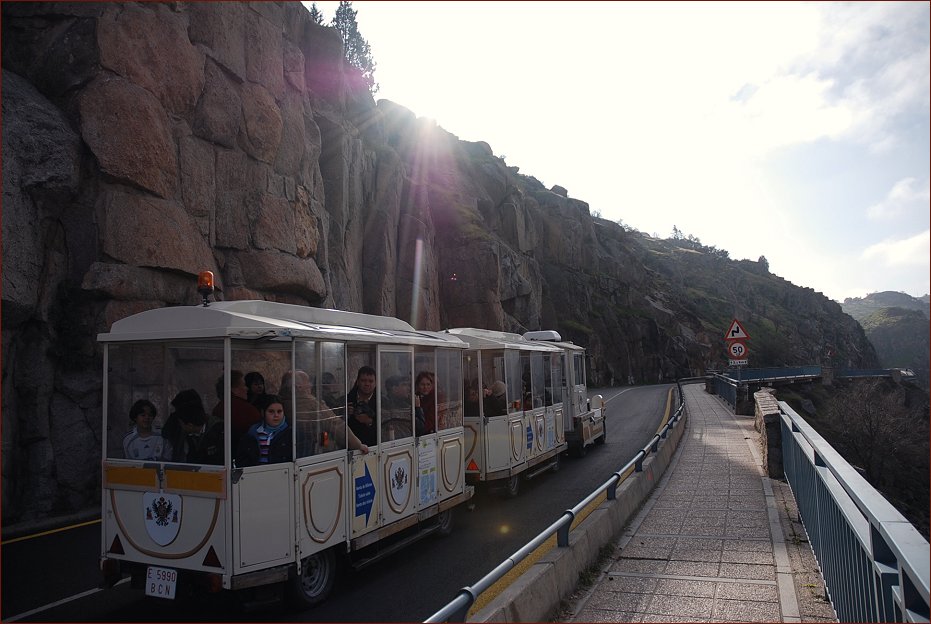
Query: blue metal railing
x=726 y=388
x=863 y=372
x=875 y=564
x=773 y=373
x=458 y=608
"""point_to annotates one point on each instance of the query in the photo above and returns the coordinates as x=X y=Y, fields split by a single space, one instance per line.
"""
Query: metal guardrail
x=863 y=372
x=875 y=564
x=458 y=608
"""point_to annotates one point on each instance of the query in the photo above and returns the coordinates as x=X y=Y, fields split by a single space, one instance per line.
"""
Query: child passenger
x=268 y=441
x=141 y=441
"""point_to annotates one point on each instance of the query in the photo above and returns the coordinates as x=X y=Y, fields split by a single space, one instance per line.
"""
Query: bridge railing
x=875 y=564
x=726 y=388
x=458 y=608
x=863 y=372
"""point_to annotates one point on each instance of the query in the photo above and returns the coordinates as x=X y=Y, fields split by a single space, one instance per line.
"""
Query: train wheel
x=316 y=580
x=444 y=520
x=513 y=486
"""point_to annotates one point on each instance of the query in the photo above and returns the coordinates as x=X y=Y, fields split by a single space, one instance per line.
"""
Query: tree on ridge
x=356 y=49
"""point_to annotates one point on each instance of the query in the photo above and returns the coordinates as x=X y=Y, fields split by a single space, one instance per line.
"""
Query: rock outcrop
x=145 y=142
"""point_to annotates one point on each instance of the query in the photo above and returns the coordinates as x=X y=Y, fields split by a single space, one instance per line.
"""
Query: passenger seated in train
x=426 y=400
x=363 y=407
x=472 y=398
x=396 y=410
x=141 y=442
x=268 y=441
x=331 y=391
x=255 y=386
x=319 y=428
x=243 y=414
x=192 y=441
x=496 y=403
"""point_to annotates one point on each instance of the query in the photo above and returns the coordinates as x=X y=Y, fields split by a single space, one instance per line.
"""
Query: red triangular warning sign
x=736 y=332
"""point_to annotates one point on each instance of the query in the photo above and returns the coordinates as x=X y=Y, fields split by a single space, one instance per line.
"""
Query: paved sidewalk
x=716 y=541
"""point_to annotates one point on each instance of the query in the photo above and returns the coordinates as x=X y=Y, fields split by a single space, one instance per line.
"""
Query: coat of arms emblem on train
x=162 y=513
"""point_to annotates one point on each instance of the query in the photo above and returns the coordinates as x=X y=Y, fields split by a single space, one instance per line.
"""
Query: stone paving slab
x=705 y=547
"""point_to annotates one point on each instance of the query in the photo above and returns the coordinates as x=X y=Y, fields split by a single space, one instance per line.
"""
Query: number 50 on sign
x=737 y=350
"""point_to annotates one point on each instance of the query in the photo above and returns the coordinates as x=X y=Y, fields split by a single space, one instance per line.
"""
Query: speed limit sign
x=737 y=350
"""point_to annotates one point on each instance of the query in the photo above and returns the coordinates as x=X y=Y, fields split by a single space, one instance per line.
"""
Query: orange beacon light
x=205 y=285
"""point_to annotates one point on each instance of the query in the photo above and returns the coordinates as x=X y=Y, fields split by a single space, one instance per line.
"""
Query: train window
x=319 y=428
x=492 y=366
x=514 y=381
x=426 y=388
x=255 y=372
x=558 y=364
x=396 y=400
x=579 y=362
x=361 y=400
x=165 y=388
x=449 y=389
x=471 y=386
x=548 y=395
x=536 y=379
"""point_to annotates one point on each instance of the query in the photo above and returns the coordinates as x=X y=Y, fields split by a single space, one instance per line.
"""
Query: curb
x=537 y=594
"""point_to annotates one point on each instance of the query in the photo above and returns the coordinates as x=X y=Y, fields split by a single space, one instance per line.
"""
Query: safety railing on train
x=875 y=564
x=458 y=608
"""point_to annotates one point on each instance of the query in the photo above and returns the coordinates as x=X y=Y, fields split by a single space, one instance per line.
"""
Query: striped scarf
x=264 y=434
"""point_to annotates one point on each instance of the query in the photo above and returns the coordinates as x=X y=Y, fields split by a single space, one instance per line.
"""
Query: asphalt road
x=408 y=586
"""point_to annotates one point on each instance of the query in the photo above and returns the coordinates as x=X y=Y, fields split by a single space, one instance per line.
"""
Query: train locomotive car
x=182 y=508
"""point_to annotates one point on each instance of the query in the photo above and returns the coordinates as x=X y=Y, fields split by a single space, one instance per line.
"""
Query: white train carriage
x=584 y=420
x=173 y=522
x=523 y=396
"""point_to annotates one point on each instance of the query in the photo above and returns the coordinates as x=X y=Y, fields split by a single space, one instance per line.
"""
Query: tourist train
x=196 y=497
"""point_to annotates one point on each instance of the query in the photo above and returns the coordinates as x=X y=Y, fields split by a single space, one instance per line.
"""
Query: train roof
x=269 y=320
x=490 y=339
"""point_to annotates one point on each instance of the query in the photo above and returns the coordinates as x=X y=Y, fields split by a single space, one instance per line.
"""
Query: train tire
x=444 y=520
x=512 y=488
x=316 y=580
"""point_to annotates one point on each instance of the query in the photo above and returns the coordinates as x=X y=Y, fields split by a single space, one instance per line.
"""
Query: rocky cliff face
x=145 y=142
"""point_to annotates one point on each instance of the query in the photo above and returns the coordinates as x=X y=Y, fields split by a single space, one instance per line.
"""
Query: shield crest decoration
x=162 y=513
x=399 y=470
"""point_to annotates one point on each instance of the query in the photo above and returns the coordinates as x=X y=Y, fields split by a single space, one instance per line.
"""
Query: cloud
x=911 y=251
x=862 y=72
x=907 y=195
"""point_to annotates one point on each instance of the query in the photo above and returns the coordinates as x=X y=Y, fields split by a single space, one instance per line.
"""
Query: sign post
x=736 y=345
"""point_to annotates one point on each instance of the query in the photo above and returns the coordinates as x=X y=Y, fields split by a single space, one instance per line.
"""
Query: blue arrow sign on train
x=365 y=494
x=736 y=332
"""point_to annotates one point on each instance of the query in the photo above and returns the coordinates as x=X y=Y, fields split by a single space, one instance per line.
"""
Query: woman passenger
x=426 y=399
x=268 y=441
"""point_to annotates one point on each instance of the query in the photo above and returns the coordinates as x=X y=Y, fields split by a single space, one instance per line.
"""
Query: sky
x=795 y=131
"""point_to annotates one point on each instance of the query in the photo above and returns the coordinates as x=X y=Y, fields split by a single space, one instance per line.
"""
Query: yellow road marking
x=49 y=532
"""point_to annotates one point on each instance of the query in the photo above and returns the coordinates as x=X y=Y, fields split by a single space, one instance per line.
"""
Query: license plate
x=161 y=582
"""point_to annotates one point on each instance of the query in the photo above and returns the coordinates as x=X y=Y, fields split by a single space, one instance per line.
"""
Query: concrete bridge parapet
x=767 y=422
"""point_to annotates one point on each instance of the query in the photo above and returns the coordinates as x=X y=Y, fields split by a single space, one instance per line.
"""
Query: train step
x=385 y=551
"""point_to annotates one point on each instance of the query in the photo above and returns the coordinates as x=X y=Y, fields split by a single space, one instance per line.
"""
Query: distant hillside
x=897 y=326
x=860 y=308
